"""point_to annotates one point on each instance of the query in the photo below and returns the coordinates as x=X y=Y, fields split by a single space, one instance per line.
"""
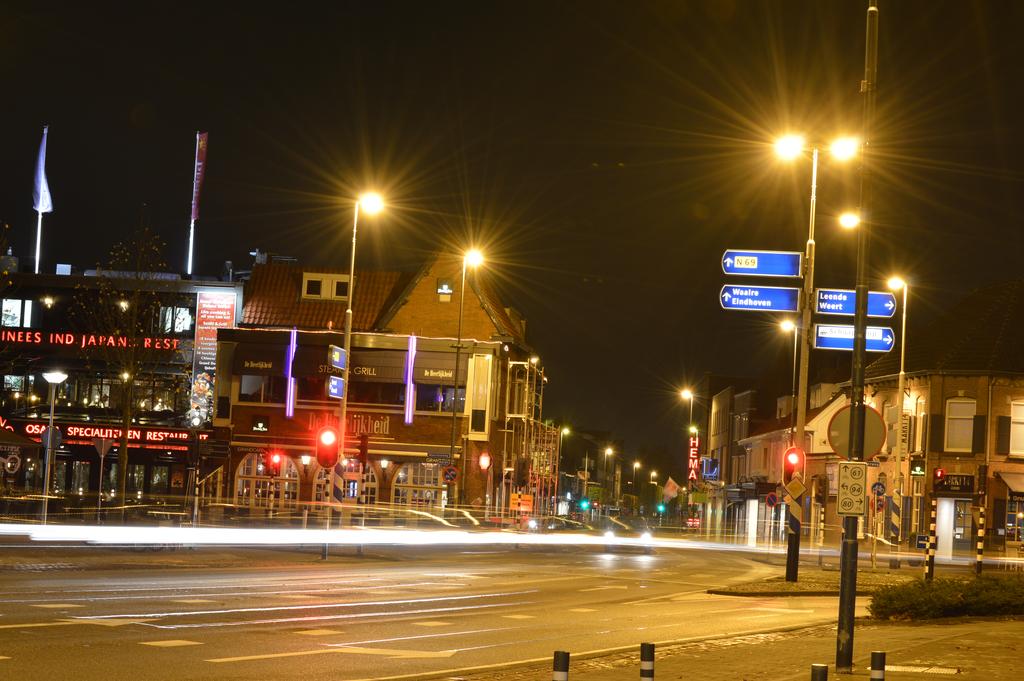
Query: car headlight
x=646 y=536
x=609 y=535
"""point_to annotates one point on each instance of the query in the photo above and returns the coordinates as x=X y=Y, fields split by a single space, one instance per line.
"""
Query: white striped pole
x=646 y=661
x=929 y=563
x=981 y=540
x=878 y=665
x=560 y=671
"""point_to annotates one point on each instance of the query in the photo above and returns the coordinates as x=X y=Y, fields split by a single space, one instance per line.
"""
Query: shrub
x=957 y=597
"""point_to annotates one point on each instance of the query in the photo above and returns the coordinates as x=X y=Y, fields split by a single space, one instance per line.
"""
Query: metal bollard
x=560 y=672
x=877 y=665
x=646 y=661
x=819 y=672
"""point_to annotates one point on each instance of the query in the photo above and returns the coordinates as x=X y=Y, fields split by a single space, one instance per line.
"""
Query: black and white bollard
x=819 y=672
x=560 y=671
x=929 y=562
x=646 y=661
x=980 y=547
x=877 y=665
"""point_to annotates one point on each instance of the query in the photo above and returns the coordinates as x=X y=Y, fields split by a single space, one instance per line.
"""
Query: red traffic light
x=327 y=446
x=940 y=473
x=485 y=461
x=272 y=463
x=792 y=463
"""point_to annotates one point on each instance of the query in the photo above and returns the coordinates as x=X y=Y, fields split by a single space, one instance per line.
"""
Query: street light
x=687 y=394
x=849 y=220
x=370 y=203
x=472 y=258
x=788 y=148
x=54 y=378
x=898 y=284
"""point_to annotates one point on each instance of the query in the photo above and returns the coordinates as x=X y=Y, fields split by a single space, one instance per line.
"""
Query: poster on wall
x=214 y=310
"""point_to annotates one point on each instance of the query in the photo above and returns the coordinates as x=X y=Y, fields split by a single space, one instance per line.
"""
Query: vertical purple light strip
x=410 y=387
x=289 y=400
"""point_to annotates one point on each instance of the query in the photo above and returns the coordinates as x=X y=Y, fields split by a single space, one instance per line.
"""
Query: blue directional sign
x=840 y=337
x=841 y=301
x=336 y=356
x=336 y=387
x=762 y=263
x=760 y=298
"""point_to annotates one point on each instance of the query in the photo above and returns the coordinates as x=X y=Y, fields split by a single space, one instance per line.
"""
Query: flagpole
x=39 y=237
x=192 y=221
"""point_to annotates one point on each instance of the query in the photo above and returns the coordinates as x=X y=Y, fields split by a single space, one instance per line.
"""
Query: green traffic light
x=585 y=504
x=661 y=508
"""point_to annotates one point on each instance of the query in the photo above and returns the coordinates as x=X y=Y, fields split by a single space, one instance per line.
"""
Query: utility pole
x=848 y=552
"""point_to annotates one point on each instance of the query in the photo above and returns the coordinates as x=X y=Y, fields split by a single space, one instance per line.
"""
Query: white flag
x=42 y=202
x=671 y=489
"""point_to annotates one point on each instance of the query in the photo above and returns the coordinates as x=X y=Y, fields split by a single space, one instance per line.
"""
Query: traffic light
x=272 y=461
x=792 y=463
x=661 y=507
x=327 y=446
x=584 y=504
x=364 y=449
x=939 y=474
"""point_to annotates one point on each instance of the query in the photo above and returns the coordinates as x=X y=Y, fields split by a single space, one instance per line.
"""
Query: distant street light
x=54 y=378
x=687 y=394
x=849 y=220
x=472 y=258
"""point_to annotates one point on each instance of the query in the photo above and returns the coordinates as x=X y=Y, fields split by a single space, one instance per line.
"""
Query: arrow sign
x=762 y=263
x=760 y=298
x=840 y=337
x=841 y=301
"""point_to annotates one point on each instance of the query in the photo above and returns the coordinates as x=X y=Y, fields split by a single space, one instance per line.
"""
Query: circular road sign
x=878 y=488
x=450 y=473
x=12 y=463
x=839 y=432
x=771 y=500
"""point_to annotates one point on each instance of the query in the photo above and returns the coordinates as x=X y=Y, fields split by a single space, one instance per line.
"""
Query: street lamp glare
x=686 y=394
x=636 y=464
x=789 y=147
x=474 y=258
x=787 y=325
x=845 y=148
x=895 y=283
x=693 y=429
x=371 y=203
x=849 y=220
x=566 y=431
x=55 y=376
x=608 y=451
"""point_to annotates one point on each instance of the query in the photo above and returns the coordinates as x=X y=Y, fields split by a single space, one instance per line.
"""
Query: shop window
x=60 y=477
x=14 y=383
x=438 y=398
x=159 y=479
x=251 y=389
x=176 y=320
x=390 y=394
x=136 y=477
x=1014 y=520
x=11 y=312
x=79 y=477
x=311 y=388
x=959 y=424
x=255 y=490
x=1017 y=428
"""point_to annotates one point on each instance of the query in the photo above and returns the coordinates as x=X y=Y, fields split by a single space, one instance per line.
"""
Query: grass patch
x=817 y=580
x=989 y=595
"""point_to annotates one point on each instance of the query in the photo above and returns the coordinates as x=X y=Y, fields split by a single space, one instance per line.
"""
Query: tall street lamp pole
x=896 y=284
x=788 y=326
x=54 y=378
x=848 y=551
x=472 y=258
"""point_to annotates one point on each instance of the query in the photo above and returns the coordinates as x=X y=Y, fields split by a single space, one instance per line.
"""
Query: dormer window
x=313 y=288
x=324 y=286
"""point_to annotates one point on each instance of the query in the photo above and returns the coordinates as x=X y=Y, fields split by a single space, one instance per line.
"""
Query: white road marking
x=55 y=606
x=519 y=617
x=582 y=610
x=318 y=632
x=172 y=643
x=432 y=623
x=605 y=588
x=193 y=600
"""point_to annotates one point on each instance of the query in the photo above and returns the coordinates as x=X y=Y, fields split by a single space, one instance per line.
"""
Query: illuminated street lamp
x=53 y=378
x=370 y=203
x=472 y=258
x=849 y=220
x=687 y=394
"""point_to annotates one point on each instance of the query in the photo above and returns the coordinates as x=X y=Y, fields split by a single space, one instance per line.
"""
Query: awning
x=1015 y=481
x=438 y=368
x=378 y=366
x=269 y=360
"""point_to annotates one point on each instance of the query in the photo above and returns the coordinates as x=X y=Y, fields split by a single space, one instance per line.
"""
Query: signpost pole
x=848 y=554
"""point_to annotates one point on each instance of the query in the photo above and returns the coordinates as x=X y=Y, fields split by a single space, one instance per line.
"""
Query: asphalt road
x=390 y=615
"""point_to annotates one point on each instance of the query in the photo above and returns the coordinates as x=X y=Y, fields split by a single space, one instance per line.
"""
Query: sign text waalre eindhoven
x=85 y=340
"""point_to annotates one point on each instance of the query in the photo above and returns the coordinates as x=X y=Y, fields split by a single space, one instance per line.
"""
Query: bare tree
x=122 y=308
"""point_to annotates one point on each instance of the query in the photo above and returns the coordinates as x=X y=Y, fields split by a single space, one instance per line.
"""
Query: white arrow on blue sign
x=841 y=301
x=840 y=337
x=762 y=263
x=760 y=298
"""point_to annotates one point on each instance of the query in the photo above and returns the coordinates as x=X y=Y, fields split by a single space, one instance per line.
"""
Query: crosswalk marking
x=171 y=643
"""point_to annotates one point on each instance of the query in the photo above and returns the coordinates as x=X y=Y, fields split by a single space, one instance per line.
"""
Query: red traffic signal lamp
x=327 y=446
x=272 y=461
x=939 y=474
x=792 y=463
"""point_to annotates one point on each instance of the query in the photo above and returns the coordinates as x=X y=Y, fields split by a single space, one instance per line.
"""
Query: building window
x=136 y=477
x=159 y=478
x=14 y=383
x=341 y=288
x=418 y=484
x=175 y=319
x=11 y=312
x=959 y=424
x=79 y=477
x=1017 y=428
x=438 y=398
x=255 y=490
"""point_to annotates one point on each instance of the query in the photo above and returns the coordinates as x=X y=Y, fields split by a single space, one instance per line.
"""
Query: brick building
x=403 y=384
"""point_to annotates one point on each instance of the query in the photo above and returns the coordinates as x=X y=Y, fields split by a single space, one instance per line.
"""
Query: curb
x=781 y=594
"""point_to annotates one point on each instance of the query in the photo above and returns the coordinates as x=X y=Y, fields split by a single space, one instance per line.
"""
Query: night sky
x=602 y=154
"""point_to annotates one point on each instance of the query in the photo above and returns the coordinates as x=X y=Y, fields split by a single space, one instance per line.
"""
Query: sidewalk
x=964 y=649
